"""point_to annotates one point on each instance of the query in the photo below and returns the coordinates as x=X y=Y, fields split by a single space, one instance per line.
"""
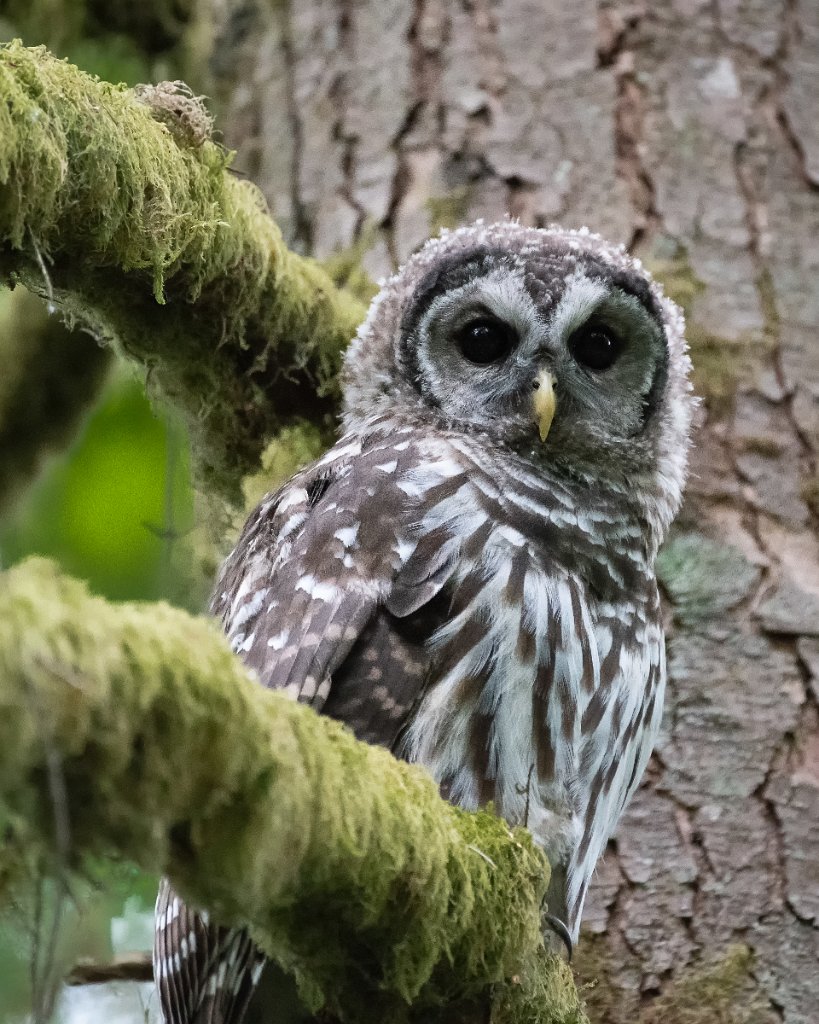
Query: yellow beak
x=545 y=402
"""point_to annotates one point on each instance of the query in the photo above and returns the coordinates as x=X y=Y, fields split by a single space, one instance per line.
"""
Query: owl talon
x=562 y=932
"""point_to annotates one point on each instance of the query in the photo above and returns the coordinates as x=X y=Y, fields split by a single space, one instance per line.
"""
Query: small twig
x=65 y=673
x=128 y=967
x=34 y=975
x=480 y=853
x=43 y=974
x=44 y=272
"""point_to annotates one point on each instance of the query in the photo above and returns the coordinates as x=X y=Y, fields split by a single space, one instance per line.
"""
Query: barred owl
x=467 y=576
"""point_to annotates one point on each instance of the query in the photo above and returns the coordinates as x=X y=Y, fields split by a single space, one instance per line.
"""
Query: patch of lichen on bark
x=703 y=578
x=345 y=266
x=720 y=365
x=450 y=210
x=155 y=246
x=810 y=493
x=348 y=867
x=723 y=991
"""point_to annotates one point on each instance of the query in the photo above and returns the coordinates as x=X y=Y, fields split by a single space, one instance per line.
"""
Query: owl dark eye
x=595 y=347
x=485 y=340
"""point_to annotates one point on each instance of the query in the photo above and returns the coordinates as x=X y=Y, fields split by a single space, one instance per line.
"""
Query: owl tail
x=205 y=974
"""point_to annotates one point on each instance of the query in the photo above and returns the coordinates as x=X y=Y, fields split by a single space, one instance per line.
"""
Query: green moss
x=550 y=997
x=151 y=242
x=351 y=871
x=294 y=448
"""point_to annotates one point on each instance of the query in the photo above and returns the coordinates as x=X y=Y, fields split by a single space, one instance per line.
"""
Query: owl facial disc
x=544 y=402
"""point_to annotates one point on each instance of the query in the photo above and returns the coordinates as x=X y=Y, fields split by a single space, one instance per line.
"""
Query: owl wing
x=323 y=594
x=324 y=597
x=204 y=973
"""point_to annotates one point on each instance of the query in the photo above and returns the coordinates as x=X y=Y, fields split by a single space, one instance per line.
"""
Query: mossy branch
x=385 y=901
x=125 y=212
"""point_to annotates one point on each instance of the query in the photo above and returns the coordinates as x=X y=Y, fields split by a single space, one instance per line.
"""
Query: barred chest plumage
x=545 y=681
x=499 y=626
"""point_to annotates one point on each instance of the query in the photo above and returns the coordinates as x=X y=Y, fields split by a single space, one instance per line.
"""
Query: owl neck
x=626 y=515
x=632 y=508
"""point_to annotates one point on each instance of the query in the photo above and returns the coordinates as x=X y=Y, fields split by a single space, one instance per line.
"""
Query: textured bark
x=688 y=130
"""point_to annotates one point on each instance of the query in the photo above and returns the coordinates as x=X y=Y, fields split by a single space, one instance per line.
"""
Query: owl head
x=549 y=343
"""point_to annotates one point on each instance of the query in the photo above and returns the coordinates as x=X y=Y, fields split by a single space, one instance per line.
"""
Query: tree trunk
x=689 y=131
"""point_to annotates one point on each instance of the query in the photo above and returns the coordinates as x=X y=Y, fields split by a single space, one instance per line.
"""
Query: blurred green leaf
x=105 y=512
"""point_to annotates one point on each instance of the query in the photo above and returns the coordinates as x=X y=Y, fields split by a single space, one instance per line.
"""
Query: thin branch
x=128 y=967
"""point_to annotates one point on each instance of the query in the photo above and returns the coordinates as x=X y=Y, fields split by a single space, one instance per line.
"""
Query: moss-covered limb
x=150 y=241
x=347 y=865
x=50 y=376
